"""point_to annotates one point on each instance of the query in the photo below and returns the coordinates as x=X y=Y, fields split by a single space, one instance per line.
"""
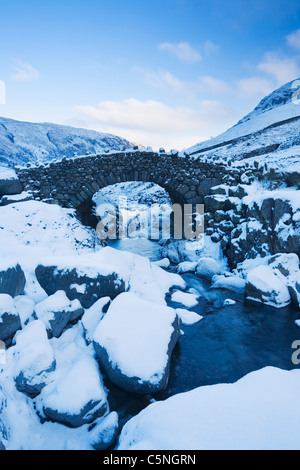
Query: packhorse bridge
x=72 y=182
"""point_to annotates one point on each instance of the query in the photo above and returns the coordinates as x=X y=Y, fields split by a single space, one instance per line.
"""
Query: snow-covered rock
x=105 y=432
x=208 y=267
x=33 y=358
x=57 y=311
x=77 y=397
x=265 y=285
x=92 y=317
x=259 y=412
x=185 y=298
x=12 y=278
x=286 y=263
x=23 y=196
x=228 y=302
x=81 y=278
x=186 y=266
x=10 y=321
x=162 y=263
x=230 y=282
x=134 y=342
x=25 y=307
x=187 y=317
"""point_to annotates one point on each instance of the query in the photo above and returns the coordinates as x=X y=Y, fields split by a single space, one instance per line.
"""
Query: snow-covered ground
x=259 y=412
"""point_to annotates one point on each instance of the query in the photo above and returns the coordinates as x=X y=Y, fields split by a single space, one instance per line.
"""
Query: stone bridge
x=73 y=182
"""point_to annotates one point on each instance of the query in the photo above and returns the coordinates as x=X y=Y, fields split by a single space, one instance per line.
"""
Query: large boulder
x=86 y=283
x=12 y=279
x=56 y=311
x=33 y=359
x=10 y=321
x=76 y=397
x=134 y=343
x=265 y=285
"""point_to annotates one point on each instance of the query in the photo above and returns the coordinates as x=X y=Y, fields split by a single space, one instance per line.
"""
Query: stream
x=228 y=343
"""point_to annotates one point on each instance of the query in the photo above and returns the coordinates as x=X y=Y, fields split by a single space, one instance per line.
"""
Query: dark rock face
x=10 y=321
x=12 y=281
x=53 y=279
x=32 y=388
x=9 y=326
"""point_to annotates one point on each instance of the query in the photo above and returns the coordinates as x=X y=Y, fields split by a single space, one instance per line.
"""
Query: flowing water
x=229 y=342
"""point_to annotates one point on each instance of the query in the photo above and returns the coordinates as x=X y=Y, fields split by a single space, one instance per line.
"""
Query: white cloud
x=253 y=86
x=24 y=72
x=209 y=47
x=243 y=88
x=214 y=85
x=182 y=50
x=293 y=39
x=283 y=69
x=162 y=79
x=157 y=124
x=150 y=115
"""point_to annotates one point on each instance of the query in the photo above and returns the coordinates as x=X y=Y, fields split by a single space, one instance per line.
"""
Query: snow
x=162 y=263
x=93 y=316
x=25 y=307
x=258 y=193
x=233 y=283
x=259 y=412
x=83 y=378
x=57 y=302
x=208 y=267
x=144 y=278
x=187 y=317
x=184 y=298
x=7 y=305
x=33 y=353
x=228 y=302
x=273 y=291
x=136 y=334
x=186 y=266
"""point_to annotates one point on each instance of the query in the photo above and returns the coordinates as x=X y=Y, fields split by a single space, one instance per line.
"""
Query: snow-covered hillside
x=269 y=133
x=22 y=142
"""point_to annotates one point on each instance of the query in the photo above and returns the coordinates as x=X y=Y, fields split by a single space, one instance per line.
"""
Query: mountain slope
x=22 y=142
x=270 y=133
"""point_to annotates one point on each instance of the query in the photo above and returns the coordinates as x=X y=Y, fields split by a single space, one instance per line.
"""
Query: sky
x=161 y=73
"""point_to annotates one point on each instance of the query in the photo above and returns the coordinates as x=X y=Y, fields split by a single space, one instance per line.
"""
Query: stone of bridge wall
x=72 y=182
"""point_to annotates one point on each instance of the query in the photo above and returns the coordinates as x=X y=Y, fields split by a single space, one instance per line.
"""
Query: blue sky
x=161 y=72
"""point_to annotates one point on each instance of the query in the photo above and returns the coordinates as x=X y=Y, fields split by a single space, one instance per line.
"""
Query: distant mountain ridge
x=270 y=133
x=23 y=142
